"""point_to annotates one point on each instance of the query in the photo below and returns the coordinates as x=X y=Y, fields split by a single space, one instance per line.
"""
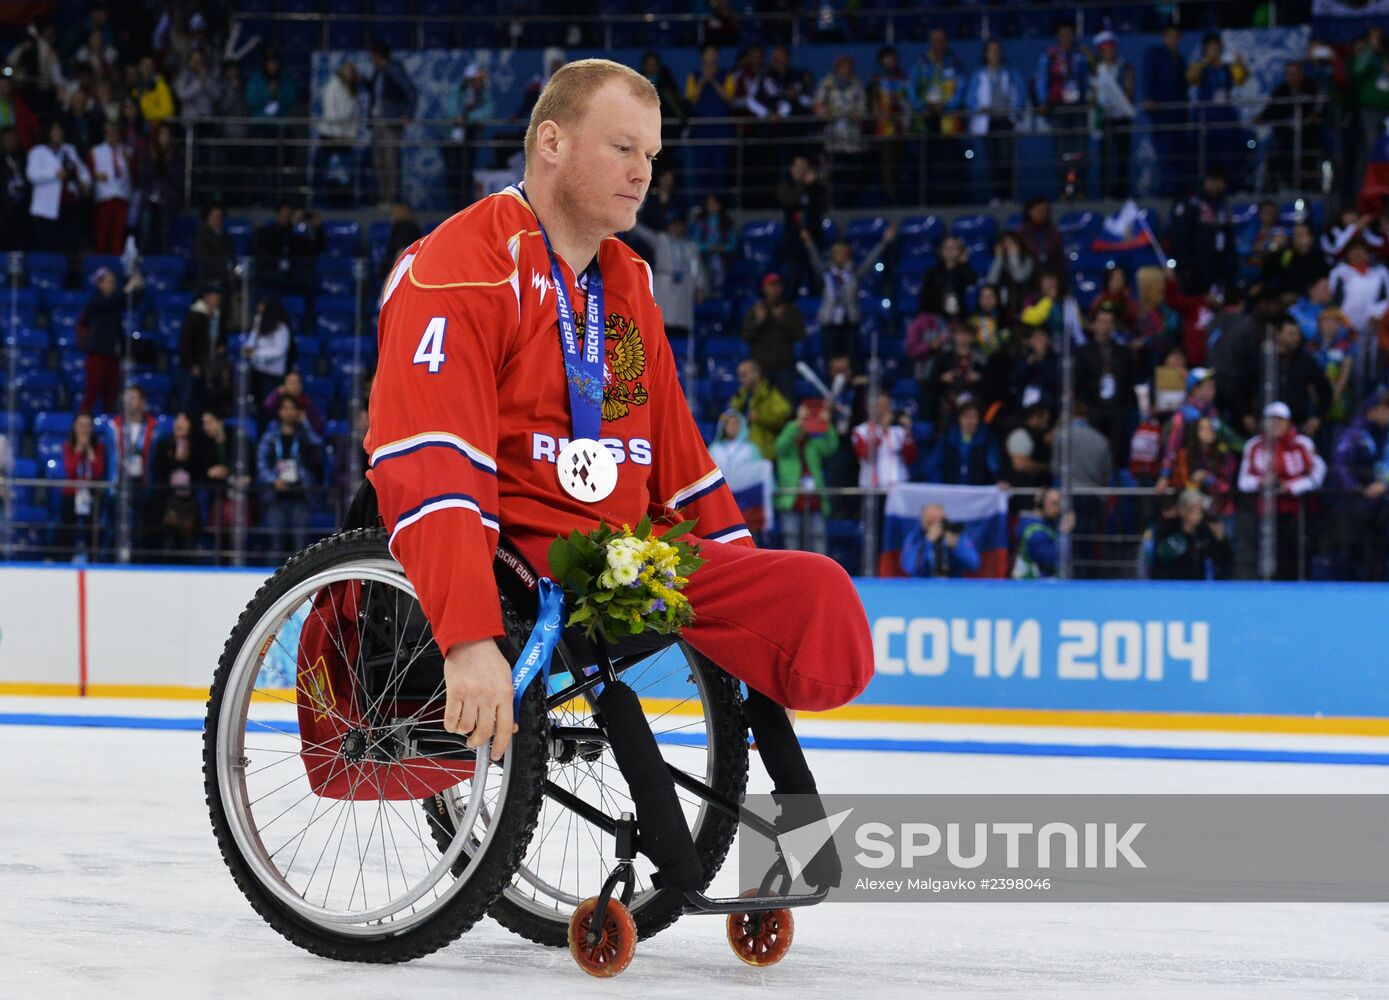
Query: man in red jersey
x=481 y=413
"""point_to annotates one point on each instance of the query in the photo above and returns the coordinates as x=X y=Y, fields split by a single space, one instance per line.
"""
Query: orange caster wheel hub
x=616 y=939
x=761 y=938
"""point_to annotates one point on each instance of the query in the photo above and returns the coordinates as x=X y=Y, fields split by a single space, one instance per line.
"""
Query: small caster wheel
x=616 y=940
x=762 y=937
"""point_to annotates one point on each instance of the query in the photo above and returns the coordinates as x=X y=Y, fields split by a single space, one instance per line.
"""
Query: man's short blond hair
x=566 y=97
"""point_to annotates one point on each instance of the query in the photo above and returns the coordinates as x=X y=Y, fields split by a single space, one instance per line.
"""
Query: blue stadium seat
x=72 y=372
x=1079 y=224
x=342 y=238
x=809 y=306
x=769 y=229
x=240 y=231
x=13 y=423
x=1303 y=210
x=725 y=348
x=335 y=284
x=46 y=278
x=866 y=229
x=50 y=455
x=308 y=349
x=26 y=339
x=336 y=303
x=26 y=303
x=168 y=327
x=342 y=348
x=164 y=274
x=320 y=389
x=1087 y=288
x=93 y=262
x=920 y=232
x=178 y=302
x=296 y=307
x=36 y=391
x=65 y=298
x=62 y=327
x=185 y=227
x=976 y=229
x=52 y=423
x=333 y=323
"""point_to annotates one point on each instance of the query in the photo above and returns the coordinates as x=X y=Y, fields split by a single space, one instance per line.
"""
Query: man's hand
x=1375 y=490
x=477 y=679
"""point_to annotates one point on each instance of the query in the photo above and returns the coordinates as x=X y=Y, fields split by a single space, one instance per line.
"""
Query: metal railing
x=744 y=158
x=817 y=23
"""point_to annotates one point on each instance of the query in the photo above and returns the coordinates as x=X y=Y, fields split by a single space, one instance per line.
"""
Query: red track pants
x=788 y=624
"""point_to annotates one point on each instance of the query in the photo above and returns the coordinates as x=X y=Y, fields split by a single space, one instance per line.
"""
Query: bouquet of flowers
x=623 y=583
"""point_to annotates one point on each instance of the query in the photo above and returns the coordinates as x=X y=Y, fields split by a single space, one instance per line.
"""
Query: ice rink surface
x=111 y=886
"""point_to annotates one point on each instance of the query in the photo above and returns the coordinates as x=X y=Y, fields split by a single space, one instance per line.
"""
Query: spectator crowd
x=846 y=339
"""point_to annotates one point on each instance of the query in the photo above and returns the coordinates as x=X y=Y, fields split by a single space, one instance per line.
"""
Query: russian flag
x=752 y=492
x=983 y=510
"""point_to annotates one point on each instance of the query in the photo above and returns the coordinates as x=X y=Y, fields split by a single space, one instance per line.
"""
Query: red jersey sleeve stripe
x=702 y=486
x=434 y=439
x=728 y=534
x=443 y=501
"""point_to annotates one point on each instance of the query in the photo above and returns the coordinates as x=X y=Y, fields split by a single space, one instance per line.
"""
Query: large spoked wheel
x=695 y=711
x=358 y=874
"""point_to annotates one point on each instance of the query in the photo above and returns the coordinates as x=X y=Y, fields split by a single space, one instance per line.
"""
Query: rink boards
x=1239 y=656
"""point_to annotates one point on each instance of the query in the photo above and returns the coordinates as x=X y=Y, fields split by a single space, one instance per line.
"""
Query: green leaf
x=581 y=615
x=561 y=559
x=679 y=530
x=643 y=529
x=602 y=597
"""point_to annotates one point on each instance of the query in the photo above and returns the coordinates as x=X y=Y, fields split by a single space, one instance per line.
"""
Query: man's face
x=605 y=158
x=888 y=62
x=214 y=300
x=772 y=291
x=1038 y=420
x=1289 y=337
x=1320 y=292
x=969 y=422
x=1205 y=392
x=107 y=284
x=781 y=59
x=1268 y=214
x=931 y=515
x=749 y=375
x=1214 y=187
x=1358 y=255
x=1192 y=514
x=1293 y=74
x=1379 y=414
x=1051 y=505
x=1171 y=37
x=288 y=412
x=882 y=408
x=1278 y=426
x=146 y=67
x=1065 y=36
x=1103 y=327
x=951 y=251
x=215 y=218
x=939 y=42
x=133 y=402
x=1302 y=238
x=212 y=427
x=55 y=135
x=294 y=384
x=840 y=366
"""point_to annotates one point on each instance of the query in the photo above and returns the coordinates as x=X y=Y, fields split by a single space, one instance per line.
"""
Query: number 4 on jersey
x=431 y=349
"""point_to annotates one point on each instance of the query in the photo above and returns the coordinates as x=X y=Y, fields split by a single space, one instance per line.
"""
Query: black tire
x=503 y=851
x=655 y=910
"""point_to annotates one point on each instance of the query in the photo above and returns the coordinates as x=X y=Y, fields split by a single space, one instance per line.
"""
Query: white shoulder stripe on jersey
x=685 y=493
x=740 y=533
x=401 y=267
x=439 y=505
x=434 y=437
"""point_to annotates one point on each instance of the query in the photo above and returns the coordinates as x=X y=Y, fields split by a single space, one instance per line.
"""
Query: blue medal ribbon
x=583 y=371
x=535 y=657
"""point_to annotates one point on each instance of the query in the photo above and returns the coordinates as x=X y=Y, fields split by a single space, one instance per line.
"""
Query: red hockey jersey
x=470 y=409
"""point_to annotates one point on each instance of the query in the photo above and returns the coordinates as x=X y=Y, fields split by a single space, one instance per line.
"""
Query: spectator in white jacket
x=267 y=345
x=59 y=180
x=1360 y=287
x=111 y=167
x=678 y=272
x=337 y=131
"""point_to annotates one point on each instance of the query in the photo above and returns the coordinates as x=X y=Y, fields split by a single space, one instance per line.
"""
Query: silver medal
x=587 y=471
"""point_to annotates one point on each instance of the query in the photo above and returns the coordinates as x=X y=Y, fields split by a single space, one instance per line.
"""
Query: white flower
x=625 y=574
x=606 y=580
